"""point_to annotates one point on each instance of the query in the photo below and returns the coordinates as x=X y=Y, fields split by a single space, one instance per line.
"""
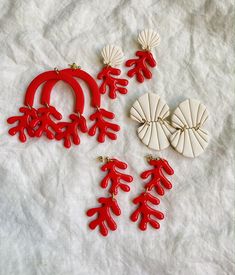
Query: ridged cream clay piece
x=112 y=55
x=151 y=111
x=148 y=39
x=190 y=139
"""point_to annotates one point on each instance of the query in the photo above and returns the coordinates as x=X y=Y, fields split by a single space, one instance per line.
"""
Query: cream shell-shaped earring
x=148 y=39
x=112 y=55
x=151 y=112
x=189 y=139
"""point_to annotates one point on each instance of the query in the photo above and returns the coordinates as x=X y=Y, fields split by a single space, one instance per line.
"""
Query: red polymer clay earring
x=148 y=39
x=101 y=125
x=114 y=180
x=144 y=212
x=112 y=56
x=36 y=122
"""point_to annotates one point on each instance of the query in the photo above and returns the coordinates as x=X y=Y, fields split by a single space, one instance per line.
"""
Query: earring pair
x=45 y=120
x=140 y=66
x=183 y=131
x=116 y=180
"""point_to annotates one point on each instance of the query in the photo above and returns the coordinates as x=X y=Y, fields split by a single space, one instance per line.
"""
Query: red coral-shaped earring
x=112 y=56
x=144 y=211
x=114 y=177
x=69 y=130
x=148 y=40
x=23 y=124
x=104 y=219
x=102 y=125
x=44 y=122
x=157 y=178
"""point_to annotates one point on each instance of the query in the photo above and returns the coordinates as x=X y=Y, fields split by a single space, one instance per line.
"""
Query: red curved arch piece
x=54 y=76
x=78 y=73
x=46 y=95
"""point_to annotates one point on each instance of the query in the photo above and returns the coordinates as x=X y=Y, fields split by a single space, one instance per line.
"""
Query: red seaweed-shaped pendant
x=140 y=65
x=44 y=122
x=114 y=177
x=145 y=212
x=23 y=123
x=148 y=39
x=69 y=130
x=111 y=84
x=157 y=177
x=115 y=180
x=103 y=126
x=104 y=218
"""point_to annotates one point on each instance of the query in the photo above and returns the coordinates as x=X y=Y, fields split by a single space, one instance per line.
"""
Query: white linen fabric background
x=45 y=189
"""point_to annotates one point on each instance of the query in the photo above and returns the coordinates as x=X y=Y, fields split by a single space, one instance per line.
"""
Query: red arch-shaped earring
x=78 y=73
x=100 y=125
x=55 y=76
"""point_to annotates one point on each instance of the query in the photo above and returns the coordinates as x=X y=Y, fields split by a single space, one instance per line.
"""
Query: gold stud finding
x=150 y=157
x=104 y=159
x=74 y=66
x=56 y=70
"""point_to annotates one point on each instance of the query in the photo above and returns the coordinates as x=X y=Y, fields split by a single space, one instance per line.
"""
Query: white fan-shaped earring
x=189 y=138
x=151 y=111
x=112 y=55
x=148 y=39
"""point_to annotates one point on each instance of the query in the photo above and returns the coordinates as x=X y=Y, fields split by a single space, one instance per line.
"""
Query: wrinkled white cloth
x=45 y=189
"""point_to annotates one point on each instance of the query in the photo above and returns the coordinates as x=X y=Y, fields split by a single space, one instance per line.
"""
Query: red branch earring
x=112 y=56
x=144 y=211
x=114 y=179
x=148 y=39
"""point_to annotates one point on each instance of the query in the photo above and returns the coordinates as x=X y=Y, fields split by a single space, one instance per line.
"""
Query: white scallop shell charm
x=151 y=111
x=148 y=39
x=112 y=55
x=188 y=118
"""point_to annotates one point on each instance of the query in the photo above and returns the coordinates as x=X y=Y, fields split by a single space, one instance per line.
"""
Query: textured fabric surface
x=45 y=189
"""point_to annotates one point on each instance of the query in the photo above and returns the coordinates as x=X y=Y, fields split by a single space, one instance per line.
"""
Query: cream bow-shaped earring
x=184 y=132
x=189 y=139
x=151 y=111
